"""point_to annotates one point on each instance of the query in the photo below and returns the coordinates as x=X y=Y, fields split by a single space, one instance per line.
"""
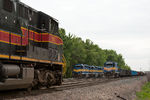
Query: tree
x=77 y=51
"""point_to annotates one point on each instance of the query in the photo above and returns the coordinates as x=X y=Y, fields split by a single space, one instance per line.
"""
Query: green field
x=144 y=94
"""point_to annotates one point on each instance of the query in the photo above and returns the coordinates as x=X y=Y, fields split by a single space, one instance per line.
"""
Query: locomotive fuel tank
x=14 y=77
x=8 y=70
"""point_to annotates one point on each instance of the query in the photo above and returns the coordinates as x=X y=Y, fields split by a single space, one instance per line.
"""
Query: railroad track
x=67 y=84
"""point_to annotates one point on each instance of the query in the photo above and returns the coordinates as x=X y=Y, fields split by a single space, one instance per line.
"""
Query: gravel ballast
x=116 y=90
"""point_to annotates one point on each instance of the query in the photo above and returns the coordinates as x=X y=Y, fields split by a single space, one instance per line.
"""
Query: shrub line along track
x=67 y=84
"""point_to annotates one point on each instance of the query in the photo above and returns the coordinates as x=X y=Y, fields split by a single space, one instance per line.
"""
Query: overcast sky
x=122 y=25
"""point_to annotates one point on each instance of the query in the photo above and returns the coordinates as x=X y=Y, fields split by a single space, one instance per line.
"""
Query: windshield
x=79 y=66
x=108 y=65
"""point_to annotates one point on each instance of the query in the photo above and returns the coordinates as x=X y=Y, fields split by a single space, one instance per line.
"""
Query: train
x=109 y=70
x=31 y=49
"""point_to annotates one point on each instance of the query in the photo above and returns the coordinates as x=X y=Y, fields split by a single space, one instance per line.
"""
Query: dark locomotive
x=30 y=47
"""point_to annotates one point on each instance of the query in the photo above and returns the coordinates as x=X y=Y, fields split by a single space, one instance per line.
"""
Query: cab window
x=8 y=5
x=53 y=27
x=21 y=10
x=79 y=66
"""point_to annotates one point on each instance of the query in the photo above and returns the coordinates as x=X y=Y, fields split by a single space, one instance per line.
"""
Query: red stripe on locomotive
x=37 y=37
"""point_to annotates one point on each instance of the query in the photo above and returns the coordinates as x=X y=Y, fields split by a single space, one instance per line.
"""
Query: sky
x=121 y=25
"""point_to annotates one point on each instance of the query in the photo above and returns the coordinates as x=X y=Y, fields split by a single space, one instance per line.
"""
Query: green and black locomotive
x=30 y=47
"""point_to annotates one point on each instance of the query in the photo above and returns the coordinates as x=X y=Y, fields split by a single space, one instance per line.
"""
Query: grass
x=144 y=94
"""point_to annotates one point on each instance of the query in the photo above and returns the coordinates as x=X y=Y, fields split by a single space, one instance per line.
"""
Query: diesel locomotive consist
x=30 y=47
x=110 y=69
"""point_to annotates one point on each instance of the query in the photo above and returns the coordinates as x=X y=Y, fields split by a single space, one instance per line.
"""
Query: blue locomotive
x=80 y=70
x=111 y=69
x=84 y=70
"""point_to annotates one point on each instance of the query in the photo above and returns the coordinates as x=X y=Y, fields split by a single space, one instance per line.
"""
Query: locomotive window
x=113 y=65
x=50 y=25
x=54 y=27
x=8 y=5
x=107 y=65
x=25 y=13
x=79 y=66
x=20 y=10
x=30 y=12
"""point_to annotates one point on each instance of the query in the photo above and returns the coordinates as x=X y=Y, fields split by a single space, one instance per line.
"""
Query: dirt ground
x=116 y=90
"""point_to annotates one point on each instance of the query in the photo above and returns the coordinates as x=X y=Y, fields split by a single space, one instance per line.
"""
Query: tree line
x=77 y=51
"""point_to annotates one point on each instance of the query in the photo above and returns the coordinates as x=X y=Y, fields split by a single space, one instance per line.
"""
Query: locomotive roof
x=110 y=62
x=25 y=5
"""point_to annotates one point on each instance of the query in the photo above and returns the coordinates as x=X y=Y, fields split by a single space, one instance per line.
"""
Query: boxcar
x=134 y=73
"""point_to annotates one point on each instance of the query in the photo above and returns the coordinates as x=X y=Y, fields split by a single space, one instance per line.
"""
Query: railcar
x=30 y=47
x=134 y=73
x=124 y=73
x=141 y=73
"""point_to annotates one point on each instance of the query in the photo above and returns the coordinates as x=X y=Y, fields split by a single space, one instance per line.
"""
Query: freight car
x=30 y=47
x=124 y=73
x=134 y=73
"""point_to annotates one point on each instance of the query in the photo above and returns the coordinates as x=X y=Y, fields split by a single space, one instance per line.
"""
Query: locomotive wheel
x=43 y=78
x=58 y=76
x=49 y=77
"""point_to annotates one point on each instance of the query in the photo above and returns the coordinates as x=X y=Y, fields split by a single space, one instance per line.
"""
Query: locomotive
x=31 y=50
x=111 y=69
x=84 y=70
